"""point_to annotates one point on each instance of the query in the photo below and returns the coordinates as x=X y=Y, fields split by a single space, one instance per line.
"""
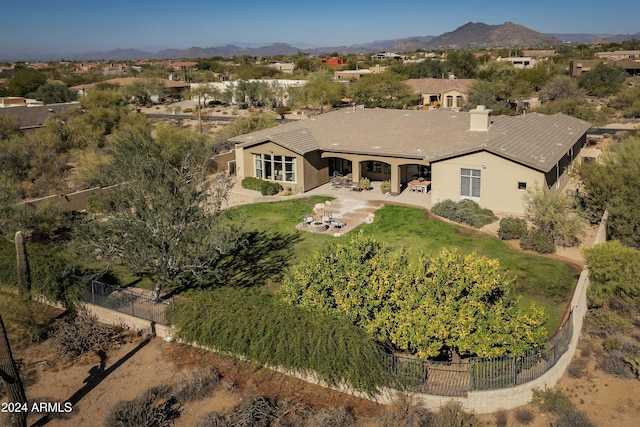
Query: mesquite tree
x=165 y=220
x=11 y=378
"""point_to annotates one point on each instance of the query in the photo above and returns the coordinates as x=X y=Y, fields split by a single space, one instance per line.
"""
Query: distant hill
x=469 y=36
x=478 y=35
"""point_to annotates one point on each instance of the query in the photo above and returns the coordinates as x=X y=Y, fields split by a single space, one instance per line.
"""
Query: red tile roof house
x=491 y=160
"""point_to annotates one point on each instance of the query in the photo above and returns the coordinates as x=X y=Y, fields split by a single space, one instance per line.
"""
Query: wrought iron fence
x=477 y=373
x=128 y=301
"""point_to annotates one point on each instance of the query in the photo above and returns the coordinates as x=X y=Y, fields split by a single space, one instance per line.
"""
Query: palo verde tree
x=166 y=219
x=446 y=304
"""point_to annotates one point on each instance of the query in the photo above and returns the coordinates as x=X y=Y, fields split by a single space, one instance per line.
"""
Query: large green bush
x=539 y=241
x=260 y=328
x=465 y=211
x=614 y=270
x=512 y=228
x=266 y=188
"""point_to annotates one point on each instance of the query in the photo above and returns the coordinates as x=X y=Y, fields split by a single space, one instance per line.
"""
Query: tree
x=462 y=63
x=561 y=87
x=602 y=80
x=448 y=303
x=167 y=220
x=611 y=184
x=24 y=81
x=553 y=214
x=383 y=90
x=321 y=89
x=614 y=270
x=53 y=93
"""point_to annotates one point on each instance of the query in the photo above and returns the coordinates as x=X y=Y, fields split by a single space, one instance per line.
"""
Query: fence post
x=93 y=292
x=515 y=372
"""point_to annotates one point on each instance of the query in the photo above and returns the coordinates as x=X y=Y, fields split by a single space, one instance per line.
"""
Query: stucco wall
x=245 y=162
x=498 y=184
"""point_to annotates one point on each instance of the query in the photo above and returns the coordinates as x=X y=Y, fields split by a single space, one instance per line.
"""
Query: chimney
x=479 y=119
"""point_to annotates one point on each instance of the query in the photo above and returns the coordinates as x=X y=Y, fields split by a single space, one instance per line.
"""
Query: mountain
x=622 y=37
x=479 y=35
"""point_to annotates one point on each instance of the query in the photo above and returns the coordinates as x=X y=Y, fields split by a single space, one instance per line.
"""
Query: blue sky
x=64 y=26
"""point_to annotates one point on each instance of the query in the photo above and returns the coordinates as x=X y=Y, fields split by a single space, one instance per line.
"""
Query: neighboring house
x=33 y=117
x=333 y=62
x=618 y=55
x=115 y=69
x=523 y=63
x=351 y=75
x=539 y=53
x=492 y=160
x=388 y=55
x=283 y=67
x=447 y=93
x=579 y=66
x=173 y=86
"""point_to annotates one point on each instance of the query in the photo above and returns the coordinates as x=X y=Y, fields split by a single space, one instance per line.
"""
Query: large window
x=276 y=168
x=470 y=182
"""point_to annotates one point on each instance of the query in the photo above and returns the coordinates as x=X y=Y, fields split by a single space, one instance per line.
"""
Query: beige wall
x=311 y=169
x=498 y=184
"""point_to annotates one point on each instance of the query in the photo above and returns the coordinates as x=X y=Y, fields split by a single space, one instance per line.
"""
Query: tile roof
x=535 y=140
x=431 y=85
x=36 y=116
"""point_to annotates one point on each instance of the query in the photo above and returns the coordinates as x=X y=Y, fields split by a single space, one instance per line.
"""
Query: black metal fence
x=133 y=302
x=477 y=373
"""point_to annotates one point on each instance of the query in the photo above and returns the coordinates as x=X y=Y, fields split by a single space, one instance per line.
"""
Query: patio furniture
x=420 y=186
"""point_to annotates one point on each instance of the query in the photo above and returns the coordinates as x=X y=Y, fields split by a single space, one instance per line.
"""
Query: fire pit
x=318 y=226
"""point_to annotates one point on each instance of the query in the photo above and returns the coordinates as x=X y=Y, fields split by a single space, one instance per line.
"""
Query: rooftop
x=535 y=140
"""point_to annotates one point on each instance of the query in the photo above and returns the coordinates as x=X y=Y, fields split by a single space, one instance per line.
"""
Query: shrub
x=577 y=368
x=213 y=419
x=523 y=416
x=555 y=402
x=152 y=409
x=269 y=188
x=251 y=183
x=385 y=187
x=196 y=384
x=453 y=414
x=259 y=327
x=553 y=214
x=537 y=240
x=333 y=417
x=465 y=211
x=364 y=184
x=405 y=411
x=256 y=411
x=613 y=364
x=575 y=419
x=512 y=228
x=80 y=335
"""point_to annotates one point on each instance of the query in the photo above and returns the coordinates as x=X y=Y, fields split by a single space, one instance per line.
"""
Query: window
x=470 y=182
x=276 y=168
x=522 y=185
x=449 y=101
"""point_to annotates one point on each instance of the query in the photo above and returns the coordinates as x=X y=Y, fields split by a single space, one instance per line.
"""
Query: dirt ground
x=136 y=365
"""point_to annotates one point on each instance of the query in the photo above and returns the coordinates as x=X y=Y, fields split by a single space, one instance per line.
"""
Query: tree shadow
x=265 y=257
x=96 y=375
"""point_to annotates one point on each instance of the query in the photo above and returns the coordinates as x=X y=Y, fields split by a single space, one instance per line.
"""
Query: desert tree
x=165 y=220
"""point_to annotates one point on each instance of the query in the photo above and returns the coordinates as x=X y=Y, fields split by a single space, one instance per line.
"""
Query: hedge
x=266 y=188
x=512 y=228
x=464 y=211
x=262 y=329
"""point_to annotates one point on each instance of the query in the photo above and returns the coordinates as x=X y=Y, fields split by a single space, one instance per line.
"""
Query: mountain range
x=470 y=36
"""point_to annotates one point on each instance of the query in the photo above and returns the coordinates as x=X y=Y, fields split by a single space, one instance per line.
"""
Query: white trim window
x=275 y=167
x=470 y=183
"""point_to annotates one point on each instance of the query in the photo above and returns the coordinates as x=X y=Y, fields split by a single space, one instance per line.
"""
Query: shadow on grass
x=264 y=257
x=96 y=375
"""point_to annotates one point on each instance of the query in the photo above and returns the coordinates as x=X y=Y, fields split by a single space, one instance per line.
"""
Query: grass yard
x=546 y=281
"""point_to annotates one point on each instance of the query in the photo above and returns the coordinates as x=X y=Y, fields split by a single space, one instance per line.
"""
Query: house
x=283 y=67
x=35 y=116
x=520 y=62
x=448 y=93
x=492 y=160
x=351 y=75
x=333 y=62
x=618 y=55
x=387 y=55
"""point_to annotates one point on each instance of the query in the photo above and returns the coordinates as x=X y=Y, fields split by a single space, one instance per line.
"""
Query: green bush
x=512 y=228
x=555 y=402
x=613 y=269
x=251 y=183
x=269 y=188
x=453 y=414
x=536 y=240
x=260 y=328
x=385 y=187
x=465 y=211
x=364 y=184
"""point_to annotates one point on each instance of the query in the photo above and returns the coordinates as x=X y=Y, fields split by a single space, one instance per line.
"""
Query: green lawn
x=543 y=280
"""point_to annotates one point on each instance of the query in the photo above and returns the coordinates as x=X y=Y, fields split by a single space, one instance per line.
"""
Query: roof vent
x=479 y=119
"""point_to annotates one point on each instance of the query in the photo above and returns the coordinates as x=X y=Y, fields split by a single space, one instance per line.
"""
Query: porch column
x=395 y=179
x=356 y=170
